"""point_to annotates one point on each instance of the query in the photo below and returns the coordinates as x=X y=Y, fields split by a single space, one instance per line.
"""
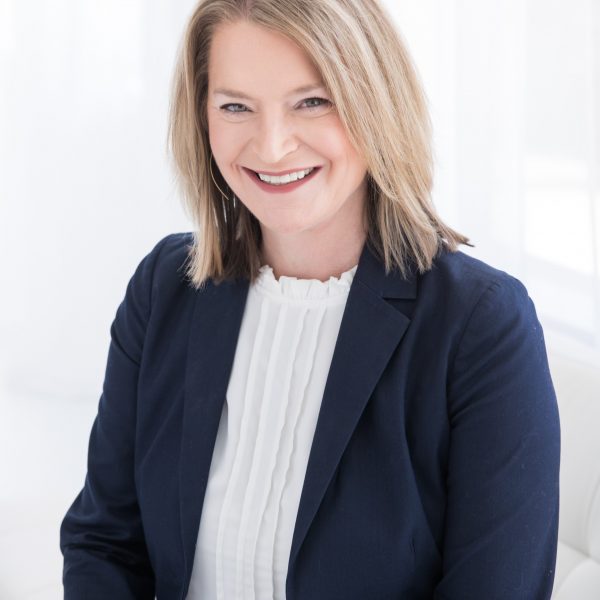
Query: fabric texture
x=287 y=337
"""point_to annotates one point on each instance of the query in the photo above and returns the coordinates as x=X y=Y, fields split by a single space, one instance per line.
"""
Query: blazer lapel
x=213 y=338
x=370 y=330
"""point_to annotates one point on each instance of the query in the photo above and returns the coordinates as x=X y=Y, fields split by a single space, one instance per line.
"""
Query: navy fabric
x=433 y=473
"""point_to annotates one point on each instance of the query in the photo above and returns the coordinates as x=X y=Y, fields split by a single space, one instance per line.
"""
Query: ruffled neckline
x=304 y=289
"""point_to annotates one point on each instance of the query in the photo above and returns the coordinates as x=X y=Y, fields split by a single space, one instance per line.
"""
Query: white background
x=86 y=191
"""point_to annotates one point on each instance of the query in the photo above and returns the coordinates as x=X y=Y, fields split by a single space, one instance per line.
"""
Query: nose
x=275 y=138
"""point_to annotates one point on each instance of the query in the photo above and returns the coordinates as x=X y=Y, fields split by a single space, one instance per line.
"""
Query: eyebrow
x=300 y=90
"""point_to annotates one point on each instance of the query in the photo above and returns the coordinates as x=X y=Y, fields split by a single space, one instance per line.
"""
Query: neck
x=300 y=258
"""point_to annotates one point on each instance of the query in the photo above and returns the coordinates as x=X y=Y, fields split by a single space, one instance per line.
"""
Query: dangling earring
x=213 y=178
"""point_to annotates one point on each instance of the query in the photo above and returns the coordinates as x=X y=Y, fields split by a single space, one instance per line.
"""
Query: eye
x=224 y=108
x=322 y=102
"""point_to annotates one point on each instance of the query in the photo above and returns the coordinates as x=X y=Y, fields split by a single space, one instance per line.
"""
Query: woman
x=315 y=394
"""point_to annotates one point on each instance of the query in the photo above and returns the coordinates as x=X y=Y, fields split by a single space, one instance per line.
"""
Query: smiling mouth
x=280 y=189
x=310 y=172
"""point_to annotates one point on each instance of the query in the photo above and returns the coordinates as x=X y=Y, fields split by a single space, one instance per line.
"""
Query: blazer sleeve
x=501 y=525
x=101 y=535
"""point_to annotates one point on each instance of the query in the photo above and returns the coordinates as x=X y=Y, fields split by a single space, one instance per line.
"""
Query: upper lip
x=282 y=173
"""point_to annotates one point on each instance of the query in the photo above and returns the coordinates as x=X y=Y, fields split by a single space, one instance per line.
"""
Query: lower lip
x=281 y=189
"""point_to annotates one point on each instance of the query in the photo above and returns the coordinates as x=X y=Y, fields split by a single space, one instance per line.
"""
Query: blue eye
x=224 y=108
x=325 y=102
x=322 y=102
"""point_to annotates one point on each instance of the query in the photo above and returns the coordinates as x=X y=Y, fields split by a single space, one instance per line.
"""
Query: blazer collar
x=371 y=272
x=370 y=331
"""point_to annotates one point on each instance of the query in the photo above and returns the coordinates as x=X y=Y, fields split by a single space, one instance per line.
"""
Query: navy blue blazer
x=434 y=469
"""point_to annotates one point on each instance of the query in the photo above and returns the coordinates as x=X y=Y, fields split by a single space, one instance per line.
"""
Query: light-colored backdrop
x=86 y=191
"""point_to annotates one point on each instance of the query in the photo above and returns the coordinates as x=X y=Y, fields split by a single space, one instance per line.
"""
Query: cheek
x=218 y=146
x=222 y=139
x=333 y=143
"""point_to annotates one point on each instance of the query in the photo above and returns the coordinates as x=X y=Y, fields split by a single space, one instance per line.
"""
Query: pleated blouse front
x=283 y=354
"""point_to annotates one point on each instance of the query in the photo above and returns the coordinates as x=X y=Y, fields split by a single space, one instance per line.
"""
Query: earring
x=213 y=178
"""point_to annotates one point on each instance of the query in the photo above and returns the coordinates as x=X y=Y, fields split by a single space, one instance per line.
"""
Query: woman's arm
x=503 y=472
x=101 y=536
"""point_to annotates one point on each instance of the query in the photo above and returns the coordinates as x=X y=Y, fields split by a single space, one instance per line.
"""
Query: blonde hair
x=369 y=75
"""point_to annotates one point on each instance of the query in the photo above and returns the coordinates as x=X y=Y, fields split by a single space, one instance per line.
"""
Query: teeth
x=285 y=178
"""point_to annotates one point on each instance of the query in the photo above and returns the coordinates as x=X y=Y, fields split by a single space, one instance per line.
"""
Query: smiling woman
x=314 y=394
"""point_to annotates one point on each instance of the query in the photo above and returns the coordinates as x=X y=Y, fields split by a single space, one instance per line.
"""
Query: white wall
x=85 y=188
x=514 y=88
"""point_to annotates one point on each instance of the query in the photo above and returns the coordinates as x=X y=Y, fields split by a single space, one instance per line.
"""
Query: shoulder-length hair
x=369 y=75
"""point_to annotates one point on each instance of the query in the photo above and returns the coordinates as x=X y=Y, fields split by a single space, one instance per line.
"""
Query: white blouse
x=284 y=350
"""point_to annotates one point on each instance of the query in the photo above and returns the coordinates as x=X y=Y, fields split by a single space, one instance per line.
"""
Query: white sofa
x=578 y=561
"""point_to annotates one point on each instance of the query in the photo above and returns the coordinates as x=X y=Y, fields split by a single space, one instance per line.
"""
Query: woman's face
x=262 y=124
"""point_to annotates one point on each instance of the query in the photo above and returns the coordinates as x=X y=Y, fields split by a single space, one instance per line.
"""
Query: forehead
x=253 y=60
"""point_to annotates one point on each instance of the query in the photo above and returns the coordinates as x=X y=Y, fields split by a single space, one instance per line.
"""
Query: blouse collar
x=294 y=287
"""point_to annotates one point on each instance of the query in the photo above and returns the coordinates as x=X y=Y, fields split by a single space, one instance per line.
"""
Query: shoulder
x=490 y=313
x=460 y=271
x=161 y=271
x=463 y=282
x=172 y=250
x=168 y=257
x=475 y=305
